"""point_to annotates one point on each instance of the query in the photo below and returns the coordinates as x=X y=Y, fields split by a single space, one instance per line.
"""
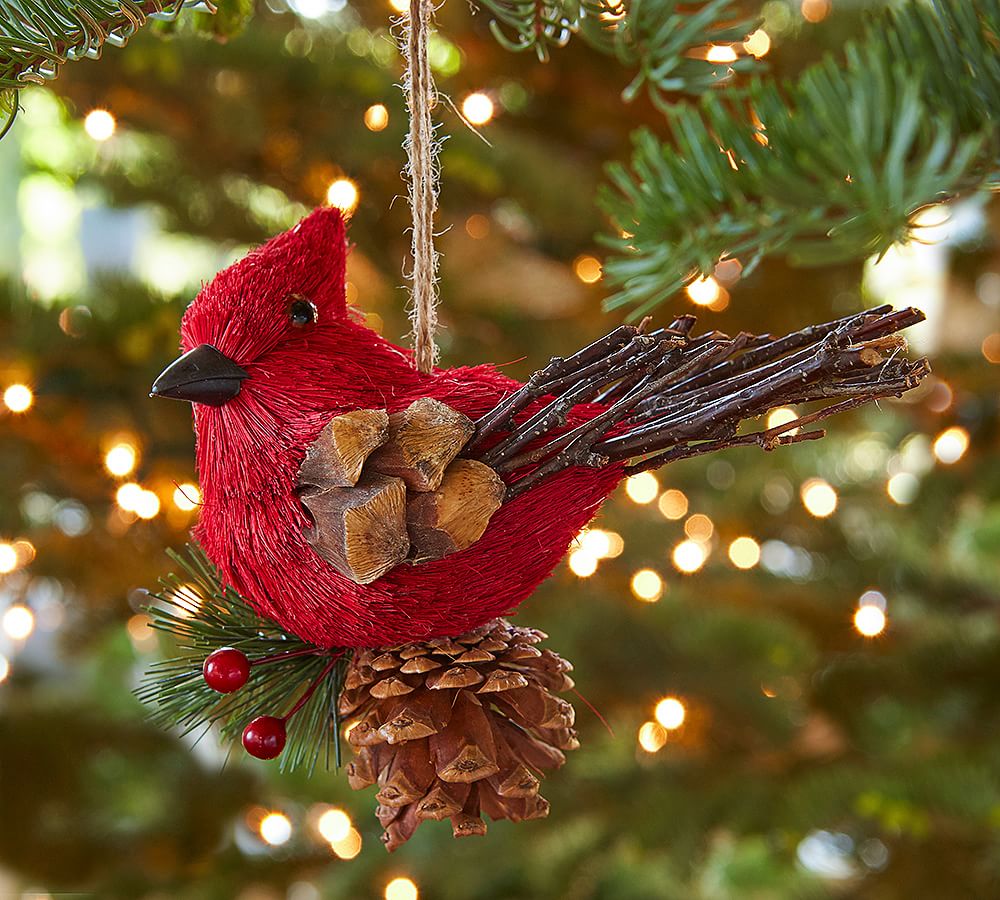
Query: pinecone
x=450 y=729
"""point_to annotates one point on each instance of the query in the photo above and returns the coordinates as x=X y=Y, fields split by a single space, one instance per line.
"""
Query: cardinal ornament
x=385 y=520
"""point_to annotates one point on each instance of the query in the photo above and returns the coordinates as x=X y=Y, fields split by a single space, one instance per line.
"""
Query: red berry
x=264 y=737
x=226 y=670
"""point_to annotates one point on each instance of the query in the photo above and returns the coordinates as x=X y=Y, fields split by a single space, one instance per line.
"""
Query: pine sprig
x=201 y=615
x=653 y=36
x=38 y=36
x=831 y=166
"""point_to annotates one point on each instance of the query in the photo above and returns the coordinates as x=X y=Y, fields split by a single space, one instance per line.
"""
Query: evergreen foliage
x=831 y=166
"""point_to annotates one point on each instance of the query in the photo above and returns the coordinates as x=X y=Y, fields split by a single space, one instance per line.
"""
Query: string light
x=642 y=488
x=18 y=398
x=673 y=504
x=187 y=497
x=477 y=108
x=8 y=558
x=819 y=498
x=652 y=736
x=344 y=195
x=670 y=713
x=588 y=269
x=869 y=621
x=758 y=44
x=147 y=505
x=950 y=445
x=401 y=889
x=275 y=829
x=582 y=563
x=128 y=496
x=721 y=53
x=349 y=847
x=18 y=622
x=815 y=10
x=902 y=488
x=100 y=125
x=689 y=556
x=699 y=528
x=647 y=585
x=121 y=459
x=376 y=117
x=744 y=552
x=704 y=291
x=782 y=415
x=335 y=825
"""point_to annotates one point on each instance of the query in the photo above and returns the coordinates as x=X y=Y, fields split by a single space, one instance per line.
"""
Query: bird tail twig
x=666 y=395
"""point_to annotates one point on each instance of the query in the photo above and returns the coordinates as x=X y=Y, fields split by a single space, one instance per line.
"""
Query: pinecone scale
x=458 y=728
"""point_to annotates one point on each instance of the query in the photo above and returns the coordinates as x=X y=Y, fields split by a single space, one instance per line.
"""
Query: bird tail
x=667 y=395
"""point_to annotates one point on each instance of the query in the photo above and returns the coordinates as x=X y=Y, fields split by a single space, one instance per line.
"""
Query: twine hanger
x=422 y=174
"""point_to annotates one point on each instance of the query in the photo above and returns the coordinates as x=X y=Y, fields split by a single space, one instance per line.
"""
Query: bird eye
x=301 y=312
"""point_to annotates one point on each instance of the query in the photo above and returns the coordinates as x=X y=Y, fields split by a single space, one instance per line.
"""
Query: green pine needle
x=202 y=615
x=653 y=36
x=829 y=167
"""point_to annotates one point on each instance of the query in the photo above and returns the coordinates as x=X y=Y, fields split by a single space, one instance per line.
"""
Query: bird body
x=297 y=376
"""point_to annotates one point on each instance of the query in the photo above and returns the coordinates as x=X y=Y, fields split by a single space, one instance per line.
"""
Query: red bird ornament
x=272 y=354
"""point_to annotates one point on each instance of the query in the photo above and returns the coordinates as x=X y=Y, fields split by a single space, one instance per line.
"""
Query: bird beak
x=203 y=375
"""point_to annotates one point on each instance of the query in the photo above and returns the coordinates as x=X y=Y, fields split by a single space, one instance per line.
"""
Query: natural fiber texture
x=422 y=174
x=249 y=451
x=457 y=729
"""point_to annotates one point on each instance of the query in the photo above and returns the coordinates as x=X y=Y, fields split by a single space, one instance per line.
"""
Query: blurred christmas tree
x=797 y=661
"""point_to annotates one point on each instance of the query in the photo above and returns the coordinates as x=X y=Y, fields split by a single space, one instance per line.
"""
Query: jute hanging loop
x=422 y=174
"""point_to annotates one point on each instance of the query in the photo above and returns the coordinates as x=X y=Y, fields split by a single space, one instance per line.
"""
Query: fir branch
x=38 y=36
x=654 y=36
x=832 y=166
x=202 y=615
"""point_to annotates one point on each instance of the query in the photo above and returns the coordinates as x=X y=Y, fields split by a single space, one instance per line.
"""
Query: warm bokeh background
x=812 y=761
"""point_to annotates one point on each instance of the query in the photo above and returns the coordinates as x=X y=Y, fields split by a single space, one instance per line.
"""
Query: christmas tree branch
x=655 y=37
x=38 y=36
x=832 y=166
x=685 y=396
x=288 y=676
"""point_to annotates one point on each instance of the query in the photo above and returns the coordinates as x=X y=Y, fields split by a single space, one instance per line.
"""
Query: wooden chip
x=337 y=456
x=423 y=439
x=360 y=531
x=453 y=517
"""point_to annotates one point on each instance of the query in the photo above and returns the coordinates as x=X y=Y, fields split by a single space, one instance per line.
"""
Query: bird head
x=264 y=362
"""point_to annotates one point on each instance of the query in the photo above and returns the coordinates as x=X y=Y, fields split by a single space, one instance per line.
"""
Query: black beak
x=203 y=375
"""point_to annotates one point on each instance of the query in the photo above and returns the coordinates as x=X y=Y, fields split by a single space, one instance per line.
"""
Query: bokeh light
x=18 y=398
x=4 y=668
x=100 y=125
x=348 y=847
x=689 y=556
x=587 y=269
x=8 y=558
x=344 y=195
x=147 y=505
x=815 y=10
x=642 y=488
x=401 y=889
x=186 y=497
x=18 y=622
x=670 y=712
x=699 y=528
x=478 y=108
x=902 y=488
x=950 y=445
x=704 y=291
x=782 y=415
x=376 y=117
x=819 y=498
x=673 y=504
x=582 y=563
x=869 y=620
x=647 y=585
x=335 y=825
x=652 y=736
x=721 y=53
x=121 y=459
x=275 y=829
x=758 y=43
x=744 y=552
